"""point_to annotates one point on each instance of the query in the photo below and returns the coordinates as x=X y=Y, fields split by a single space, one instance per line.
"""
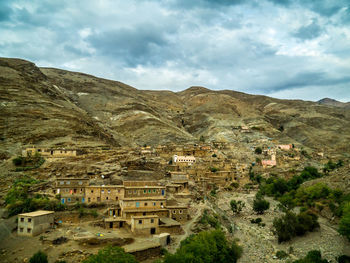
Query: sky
x=290 y=49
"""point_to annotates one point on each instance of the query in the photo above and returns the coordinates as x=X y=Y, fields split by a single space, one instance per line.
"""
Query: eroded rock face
x=57 y=107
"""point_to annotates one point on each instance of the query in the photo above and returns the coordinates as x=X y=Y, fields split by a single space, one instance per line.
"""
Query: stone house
x=50 y=152
x=145 y=225
x=35 y=223
x=103 y=193
x=72 y=190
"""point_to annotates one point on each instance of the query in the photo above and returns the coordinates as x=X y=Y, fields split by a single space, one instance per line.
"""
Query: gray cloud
x=251 y=46
x=309 y=31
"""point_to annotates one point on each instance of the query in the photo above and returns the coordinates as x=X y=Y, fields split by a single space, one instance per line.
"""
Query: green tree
x=205 y=247
x=111 y=254
x=260 y=205
x=258 y=150
x=344 y=225
x=313 y=256
x=237 y=206
x=39 y=257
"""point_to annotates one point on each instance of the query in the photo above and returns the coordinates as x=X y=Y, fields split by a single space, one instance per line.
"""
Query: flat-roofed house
x=103 y=193
x=184 y=159
x=72 y=190
x=145 y=225
x=35 y=223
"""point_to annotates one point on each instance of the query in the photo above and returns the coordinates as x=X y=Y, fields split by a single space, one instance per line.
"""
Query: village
x=145 y=203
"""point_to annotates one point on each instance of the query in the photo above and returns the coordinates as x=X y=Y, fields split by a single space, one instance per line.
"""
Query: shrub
x=258 y=150
x=214 y=155
x=213 y=169
x=291 y=225
x=313 y=256
x=343 y=259
x=237 y=206
x=39 y=257
x=281 y=254
x=260 y=205
x=256 y=221
x=111 y=255
x=344 y=225
x=210 y=246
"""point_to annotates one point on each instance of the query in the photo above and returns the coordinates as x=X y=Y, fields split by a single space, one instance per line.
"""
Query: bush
x=207 y=219
x=209 y=246
x=237 y=206
x=260 y=205
x=39 y=257
x=214 y=155
x=258 y=150
x=111 y=255
x=281 y=254
x=213 y=169
x=313 y=256
x=344 y=225
x=343 y=259
x=291 y=225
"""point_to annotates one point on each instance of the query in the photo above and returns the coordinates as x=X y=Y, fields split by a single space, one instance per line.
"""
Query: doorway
x=153 y=230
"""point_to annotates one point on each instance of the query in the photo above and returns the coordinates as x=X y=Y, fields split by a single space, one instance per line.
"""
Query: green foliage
x=205 y=247
x=343 y=259
x=281 y=254
x=260 y=205
x=258 y=150
x=256 y=221
x=344 y=225
x=234 y=184
x=330 y=166
x=202 y=139
x=237 y=206
x=111 y=254
x=313 y=256
x=291 y=225
x=28 y=163
x=305 y=153
x=39 y=257
x=214 y=155
x=213 y=169
x=19 y=199
x=94 y=213
x=207 y=219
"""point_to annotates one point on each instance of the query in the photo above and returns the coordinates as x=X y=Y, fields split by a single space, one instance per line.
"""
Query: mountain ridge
x=58 y=107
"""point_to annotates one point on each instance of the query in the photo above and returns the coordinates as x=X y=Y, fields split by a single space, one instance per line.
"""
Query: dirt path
x=187 y=227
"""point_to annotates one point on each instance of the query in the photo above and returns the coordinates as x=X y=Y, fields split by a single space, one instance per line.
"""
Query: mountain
x=332 y=102
x=54 y=107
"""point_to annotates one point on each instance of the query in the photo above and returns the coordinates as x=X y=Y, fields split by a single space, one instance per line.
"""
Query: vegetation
x=111 y=254
x=237 y=206
x=330 y=166
x=258 y=150
x=28 y=163
x=39 y=257
x=313 y=256
x=206 y=247
x=19 y=199
x=344 y=225
x=214 y=155
x=260 y=204
x=207 y=219
x=291 y=225
x=281 y=254
x=213 y=169
x=201 y=139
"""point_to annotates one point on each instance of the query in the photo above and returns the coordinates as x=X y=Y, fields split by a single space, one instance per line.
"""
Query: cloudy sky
x=280 y=48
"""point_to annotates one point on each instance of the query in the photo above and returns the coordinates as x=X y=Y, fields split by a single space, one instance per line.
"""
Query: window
x=29 y=220
x=145 y=204
x=161 y=203
x=180 y=211
x=140 y=221
x=61 y=182
x=80 y=182
x=137 y=204
x=149 y=191
x=109 y=191
x=29 y=230
x=21 y=229
x=130 y=192
x=135 y=191
x=154 y=203
x=68 y=199
x=107 y=198
x=92 y=191
x=174 y=211
x=154 y=190
x=22 y=219
x=68 y=182
x=152 y=221
x=102 y=191
x=144 y=191
x=89 y=199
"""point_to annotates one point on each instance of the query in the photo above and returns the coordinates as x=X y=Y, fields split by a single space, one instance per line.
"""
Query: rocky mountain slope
x=56 y=107
x=335 y=103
